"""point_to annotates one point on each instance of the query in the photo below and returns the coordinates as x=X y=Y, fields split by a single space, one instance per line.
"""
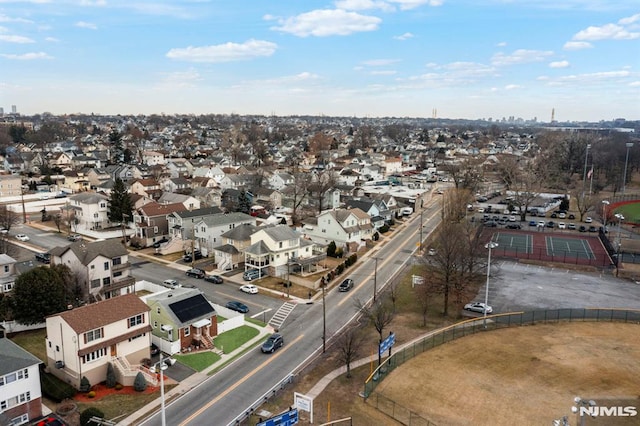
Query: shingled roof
x=86 y=252
x=99 y=314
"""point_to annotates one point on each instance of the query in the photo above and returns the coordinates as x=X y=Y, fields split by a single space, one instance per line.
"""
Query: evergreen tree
x=244 y=205
x=120 y=205
x=140 y=383
x=85 y=384
x=40 y=292
x=117 y=149
x=86 y=415
x=111 y=376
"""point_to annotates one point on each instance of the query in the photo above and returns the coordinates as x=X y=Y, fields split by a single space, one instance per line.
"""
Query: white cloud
x=520 y=56
x=405 y=36
x=590 y=79
x=27 y=56
x=382 y=72
x=559 y=64
x=606 y=32
x=577 y=45
x=502 y=44
x=630 y=20
x=380 y=62
x=5 y=18
x=412 y=4
x=88 y=25
x=16 y=39
x=327 y=22
x=635 y=84
x=363 y=5
x=512 y=87
x=52 y=39
x=228 y=52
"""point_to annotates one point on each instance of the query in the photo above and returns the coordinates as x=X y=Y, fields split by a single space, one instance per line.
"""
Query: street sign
x=416 y=280
x=285 y=419
x=387 y=343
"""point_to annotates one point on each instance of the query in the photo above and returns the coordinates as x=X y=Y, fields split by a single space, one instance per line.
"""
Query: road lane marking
x=261 y=313
x=235 y=385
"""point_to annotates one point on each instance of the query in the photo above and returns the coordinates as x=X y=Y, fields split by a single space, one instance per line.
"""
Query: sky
x=473 y=59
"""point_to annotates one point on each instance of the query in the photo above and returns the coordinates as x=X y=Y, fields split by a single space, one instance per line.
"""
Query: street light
x=620 y=219
x=584 y=173
x=605 y=203
x=626 y=160
x=490 y=245
x=163 y=367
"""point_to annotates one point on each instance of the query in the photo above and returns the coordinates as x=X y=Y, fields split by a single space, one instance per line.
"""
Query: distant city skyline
x=366 y=58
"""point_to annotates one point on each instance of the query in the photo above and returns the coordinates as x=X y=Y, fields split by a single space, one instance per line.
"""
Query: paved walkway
x=195 y=379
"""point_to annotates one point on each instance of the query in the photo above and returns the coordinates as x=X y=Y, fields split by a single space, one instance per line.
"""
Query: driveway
x=177 y=371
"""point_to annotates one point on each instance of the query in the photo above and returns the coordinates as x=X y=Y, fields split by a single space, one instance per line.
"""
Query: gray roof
x=281 y=233
x=258 y=248
x=5 y=259
x=13 y=357
x=241 y=232
x=227 y=218
x=227 y=248
x=86 y=252
x=206 y=211
x=88 y=197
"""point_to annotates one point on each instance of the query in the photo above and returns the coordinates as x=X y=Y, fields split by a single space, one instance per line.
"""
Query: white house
x=208 y=231
x=20 y=393
x=280 y=181
x=346 y=227
x=153 y=158
x=90 y=209
x=82 y=341
x=7 y=273
x=101 y=268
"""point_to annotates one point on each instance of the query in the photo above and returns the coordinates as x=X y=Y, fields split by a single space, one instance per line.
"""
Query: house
x=274 y=249
x=101 y=268
x=191 y=203
x=280 y=181
x=346 y=227
x=209 y=230
x=376 y=209
x=81 y=161
x=178 y=185
x=209 y=197
x=7 y=273
x=20 y=393
x=60 y=159
x=153 y=158
x=179 y=167
x=182 y=318
x=150 y=222
x=147 y=187
x=10 y=185
x=90 y=209
x=230 y=254
x=81 y=342
x=96 y=176
x=181 y=223
x=268 y=197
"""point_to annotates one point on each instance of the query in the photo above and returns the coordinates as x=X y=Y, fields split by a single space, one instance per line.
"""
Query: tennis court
x=521 y=243
x=571 y=247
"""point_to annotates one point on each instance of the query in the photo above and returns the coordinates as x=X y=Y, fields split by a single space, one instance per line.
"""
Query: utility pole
x=24 y=211
x=324 y=319
x=375 y=280
x=193 y=244
x=288 y=276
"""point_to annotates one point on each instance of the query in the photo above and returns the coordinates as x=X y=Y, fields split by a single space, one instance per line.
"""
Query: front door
x=114 y=350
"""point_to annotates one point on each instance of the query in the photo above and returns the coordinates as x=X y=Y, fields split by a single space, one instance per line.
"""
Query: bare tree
x=466 y=173
x=349 y=346
x=6 y=247
x=320 y=185
x=524 y=179
x=425 y=292
x=298 y=192
x=584 y=203
x=57 y=220
x=8 y=218
x=380 y=314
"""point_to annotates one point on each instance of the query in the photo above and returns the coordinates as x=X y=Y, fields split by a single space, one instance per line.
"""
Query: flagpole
x=591 y=179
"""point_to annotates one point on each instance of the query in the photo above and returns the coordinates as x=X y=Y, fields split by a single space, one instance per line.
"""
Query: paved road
x=223 y=397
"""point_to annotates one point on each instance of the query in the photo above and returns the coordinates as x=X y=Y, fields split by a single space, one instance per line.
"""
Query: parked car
x=197 y=254
x=43 y=257
x=171 y=284
x=571 y=226
x=478 y=307
x=513 y=226
x=588 y=219
x=541 y=223
x=346 y=285
x=249 y=288
x=572 y=216
x=554 y=215
x=533 y=223
x=158 y=243
x=512 y=218
x=74 y=237
x=22 y=237
x=195 y=273
x=562 y=215
x=274 y=342
x=593 y=229
x=491 y=224
x=562 y=225
x=237 y=306
x=216 y=279
x=551 y=224
x=582 y=228
x=431 y=252
x=251 y=274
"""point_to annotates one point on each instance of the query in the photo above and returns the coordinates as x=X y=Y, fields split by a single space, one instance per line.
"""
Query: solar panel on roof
x=191 y=308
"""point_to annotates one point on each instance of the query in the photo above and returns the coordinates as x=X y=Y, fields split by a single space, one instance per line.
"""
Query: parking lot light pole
x=491 y=245
x=163 y=367
x=605 y=203
x=626 y=160
x=620 y=219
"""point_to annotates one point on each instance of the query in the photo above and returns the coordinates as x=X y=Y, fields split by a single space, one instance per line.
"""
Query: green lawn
x=233 y=339
x=33 y=342
x=631 y=213
x=198 y=361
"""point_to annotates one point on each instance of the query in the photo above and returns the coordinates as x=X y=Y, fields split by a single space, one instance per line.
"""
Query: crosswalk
x=281 y=315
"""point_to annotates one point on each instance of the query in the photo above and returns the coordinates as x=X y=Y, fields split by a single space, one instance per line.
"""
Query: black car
x=237 y=306
x=188 y=258
x=274 y=342
x=216 y=279
x=551 y=224
x=513 y=226
x=582 y=228
x=195 y=273
x=593 y=229
x=43 y=257
x=346 y=285
x=572 y=216
x=554 y=215
x=154 y=349
x=491 y=224
x=160 y=242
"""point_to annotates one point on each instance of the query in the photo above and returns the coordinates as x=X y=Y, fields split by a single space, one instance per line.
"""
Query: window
x=12 y=402
x=158 y=310
x=92 y=335
x=94 y=355
x=155 y=324
x=7 y=287
x=20 y=420
x=187 y=331
x=106 y=281
x=6 y=268
x=137 y=320
x=136 y=337
x=103 y=205
x=117 y=261
x=106 y=266
x=95 y=283
x=155 y=229
x=93 y=266
x=117 y=274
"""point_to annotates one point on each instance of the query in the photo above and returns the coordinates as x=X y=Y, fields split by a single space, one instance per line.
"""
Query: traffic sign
x=285 y=419
x=387 y=343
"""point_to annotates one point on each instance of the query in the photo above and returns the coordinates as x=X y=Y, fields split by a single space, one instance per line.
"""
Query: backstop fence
x=473 y=326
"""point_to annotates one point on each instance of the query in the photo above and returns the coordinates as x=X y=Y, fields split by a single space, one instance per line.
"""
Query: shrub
x=85 y=385
x=86 y=415
x=384 y=228
x=91 y=394
x=375 y=236
x=54 y=388
x=331 y=249
x=340 y=268
x=339 y=253
x=139 y=383
x=118 y=386
x=111 y=376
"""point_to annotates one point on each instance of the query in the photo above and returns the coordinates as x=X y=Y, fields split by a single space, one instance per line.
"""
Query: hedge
x=54 y=388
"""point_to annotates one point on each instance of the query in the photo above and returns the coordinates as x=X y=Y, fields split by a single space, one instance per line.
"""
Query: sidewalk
x=195 y=379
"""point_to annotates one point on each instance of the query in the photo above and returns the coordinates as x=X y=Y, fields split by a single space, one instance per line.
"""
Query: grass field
x=233 y=339
x=631 y=212
x=198 y=361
